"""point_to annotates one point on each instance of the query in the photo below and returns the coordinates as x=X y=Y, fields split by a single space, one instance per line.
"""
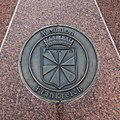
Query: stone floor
x=111 y=13
x=6 y=10
x=102 y=102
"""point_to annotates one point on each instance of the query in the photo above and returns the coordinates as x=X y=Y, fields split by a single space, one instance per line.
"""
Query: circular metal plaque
x=58 y=63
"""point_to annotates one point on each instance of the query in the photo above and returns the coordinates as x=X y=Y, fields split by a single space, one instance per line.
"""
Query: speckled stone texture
x=102 y=102
x=111 y=13
x=6 y=11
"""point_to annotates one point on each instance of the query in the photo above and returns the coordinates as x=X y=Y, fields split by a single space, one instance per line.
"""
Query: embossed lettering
x=51 y=95
x=75 y=92
x=71 y=94
x=44 y=32
x=79 y=89
x=46 y=93
x=67 y=94
x=58 y=95
x=40 y=89
x=57 y=30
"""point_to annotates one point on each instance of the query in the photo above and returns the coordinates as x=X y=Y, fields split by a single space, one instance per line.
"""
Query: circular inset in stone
x=58 y=63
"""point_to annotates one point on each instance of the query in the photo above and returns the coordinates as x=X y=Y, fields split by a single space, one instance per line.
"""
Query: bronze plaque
x=58 y=63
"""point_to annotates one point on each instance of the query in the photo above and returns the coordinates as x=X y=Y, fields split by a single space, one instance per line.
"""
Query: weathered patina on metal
x=58 y=63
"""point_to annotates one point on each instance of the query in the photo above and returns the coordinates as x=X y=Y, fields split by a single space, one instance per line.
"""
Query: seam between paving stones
x=107 y=29
x=10 y=23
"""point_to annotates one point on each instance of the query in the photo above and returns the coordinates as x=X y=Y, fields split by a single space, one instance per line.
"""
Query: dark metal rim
x=53 y=101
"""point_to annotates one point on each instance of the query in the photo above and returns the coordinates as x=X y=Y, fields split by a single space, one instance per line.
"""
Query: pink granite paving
x=111 y=13
x=102 y=102
x=6 y=10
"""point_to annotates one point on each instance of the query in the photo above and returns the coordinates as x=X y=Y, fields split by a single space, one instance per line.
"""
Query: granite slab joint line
x=108 y=31
x=10 y=23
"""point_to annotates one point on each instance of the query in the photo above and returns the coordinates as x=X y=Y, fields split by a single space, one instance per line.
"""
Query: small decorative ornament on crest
x=58 y=63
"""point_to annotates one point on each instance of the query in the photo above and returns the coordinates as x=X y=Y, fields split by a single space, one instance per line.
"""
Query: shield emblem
x=58 y=66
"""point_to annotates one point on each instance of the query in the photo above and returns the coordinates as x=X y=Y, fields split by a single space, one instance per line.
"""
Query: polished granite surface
x=100 y=103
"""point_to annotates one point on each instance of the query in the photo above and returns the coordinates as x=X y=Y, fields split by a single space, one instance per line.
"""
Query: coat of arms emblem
x=59 y=66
